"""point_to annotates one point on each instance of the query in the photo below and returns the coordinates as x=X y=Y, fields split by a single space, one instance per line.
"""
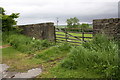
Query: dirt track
x=4 y=46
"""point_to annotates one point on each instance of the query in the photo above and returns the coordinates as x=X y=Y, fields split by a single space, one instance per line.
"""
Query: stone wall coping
x=106 y=19
x=35 y=24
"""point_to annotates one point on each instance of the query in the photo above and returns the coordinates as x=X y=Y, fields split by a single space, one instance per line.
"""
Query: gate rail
x=75 y=37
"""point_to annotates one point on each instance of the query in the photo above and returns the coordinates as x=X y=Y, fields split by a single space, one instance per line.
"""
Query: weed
x=25 y=44
x=100 y=55
x=54 y=52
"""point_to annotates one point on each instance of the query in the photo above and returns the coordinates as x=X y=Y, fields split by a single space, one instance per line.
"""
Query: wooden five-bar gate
x=73 y=35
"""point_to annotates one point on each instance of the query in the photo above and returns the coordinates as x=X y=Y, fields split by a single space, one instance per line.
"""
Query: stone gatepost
x=40 y=31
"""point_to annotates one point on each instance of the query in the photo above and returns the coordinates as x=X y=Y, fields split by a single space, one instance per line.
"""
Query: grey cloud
x=35 y=11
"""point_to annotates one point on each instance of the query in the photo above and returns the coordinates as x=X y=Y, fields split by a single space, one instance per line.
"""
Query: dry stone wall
x=39 y=31
x=110 y=27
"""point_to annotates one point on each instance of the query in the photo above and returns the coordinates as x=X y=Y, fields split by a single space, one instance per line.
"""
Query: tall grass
x=55 y=52
x=25 y=44
x=100 y=55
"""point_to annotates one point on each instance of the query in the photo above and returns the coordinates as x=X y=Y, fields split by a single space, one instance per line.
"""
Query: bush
x=100 y=55
x=23 y=43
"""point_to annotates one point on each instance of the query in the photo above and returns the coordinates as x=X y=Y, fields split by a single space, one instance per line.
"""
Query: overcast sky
x=38 y=11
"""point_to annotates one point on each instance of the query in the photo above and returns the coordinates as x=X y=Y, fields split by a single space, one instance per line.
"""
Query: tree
x=84 y=26
x=72 y=22
x=8 y=21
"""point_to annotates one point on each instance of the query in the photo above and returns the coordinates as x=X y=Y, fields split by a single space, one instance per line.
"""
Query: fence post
x=82 y=34
x=66 y=34
x=55 y=34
